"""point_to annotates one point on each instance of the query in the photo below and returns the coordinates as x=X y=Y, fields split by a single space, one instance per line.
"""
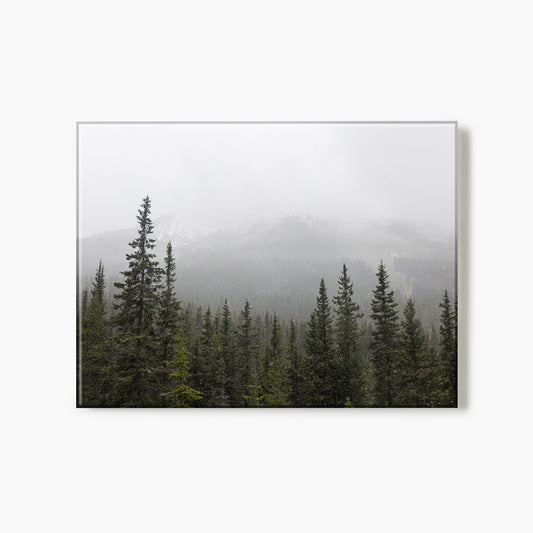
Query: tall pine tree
x=228 y=353
x=247 y=338
x=351 y=371
x=448 y=345
x=384 y=338
x=210 y=368
x=137 y=300
x=168 y=320
x=169 y=309
x=296 y=370
x=322 y=363
x=95 y=346
x=410 y=363
x=276 y=388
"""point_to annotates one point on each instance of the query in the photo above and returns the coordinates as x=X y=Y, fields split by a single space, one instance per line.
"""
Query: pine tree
x=254 y=396
x=94 y=346
x=322 y=362
x=181 y=394
x=228 y=354
x=351 y=371
x=210 y=372
x=273 y=350
x=81 y=314
x=247 y=336
x=296 y=370
x=410 y=363
x=308 y=397
x=135 y=320
x=431 y=382
x=384 y=338
x=448 y=344
x=168 y=322
x=169 y=308
x=94 y=326
x=276 y=386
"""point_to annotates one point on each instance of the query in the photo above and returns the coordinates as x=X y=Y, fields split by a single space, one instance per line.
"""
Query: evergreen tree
x=228 y=354
x=210 y=369
x=167 y=323
x=410 y=364
x=247 y=349
x=181 y=394
x=94 y=346
x=296 y=370
x=448 y=344
x=321 y=356
x=311 y=346
x=97 y=292
x=81 y=314
x=384 y=338
x=254 y=396
x=136 y=307
x=276 y=386
x=169 y=308
x=431 y=380
x=351 y=372
x=273 y=350
x=94 y=325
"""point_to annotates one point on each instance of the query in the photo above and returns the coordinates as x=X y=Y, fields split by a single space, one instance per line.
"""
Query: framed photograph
x=267 y=264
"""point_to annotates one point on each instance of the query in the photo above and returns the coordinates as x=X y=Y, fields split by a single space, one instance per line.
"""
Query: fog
x=221 y=174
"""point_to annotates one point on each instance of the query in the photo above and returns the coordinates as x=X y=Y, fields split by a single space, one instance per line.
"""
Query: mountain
x=278 y=264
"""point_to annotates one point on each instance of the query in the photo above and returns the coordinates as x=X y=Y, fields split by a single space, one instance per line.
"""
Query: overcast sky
x=219 y=173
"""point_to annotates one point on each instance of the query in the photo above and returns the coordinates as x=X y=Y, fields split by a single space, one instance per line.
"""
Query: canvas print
x=254 y=265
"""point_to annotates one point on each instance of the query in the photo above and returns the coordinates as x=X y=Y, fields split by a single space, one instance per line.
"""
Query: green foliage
x=255 y=397
x=210 y=369
x=167 y=323
x=151 y=353
x=411 y=353
x=94 y=346
x=137 y=300
x=276 y=387
x=296 y=371
x=321 y=363
x=247 y=343
x=84 y=302
x=351 y=378
x=273 y=351
x=384 y=338
x=169 y=307
x=448 y=345
x=228 y=352
x=137 y=296
x=180 y=395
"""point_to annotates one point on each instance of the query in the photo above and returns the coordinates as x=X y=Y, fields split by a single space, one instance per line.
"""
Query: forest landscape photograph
x=295 y=265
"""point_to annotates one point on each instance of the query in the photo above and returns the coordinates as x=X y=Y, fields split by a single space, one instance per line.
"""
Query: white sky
x=220 y=173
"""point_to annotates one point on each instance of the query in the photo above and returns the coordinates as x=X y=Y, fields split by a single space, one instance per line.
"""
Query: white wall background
x=69 y=470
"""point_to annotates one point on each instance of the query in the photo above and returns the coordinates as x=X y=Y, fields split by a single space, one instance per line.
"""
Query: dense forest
x=145 y=348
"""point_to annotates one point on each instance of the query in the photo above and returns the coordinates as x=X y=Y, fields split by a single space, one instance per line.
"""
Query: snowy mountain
x=279 y=263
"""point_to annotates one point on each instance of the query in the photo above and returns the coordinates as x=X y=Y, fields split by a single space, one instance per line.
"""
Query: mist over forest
x=145 y=331
x=269 y=265
x=277 y=264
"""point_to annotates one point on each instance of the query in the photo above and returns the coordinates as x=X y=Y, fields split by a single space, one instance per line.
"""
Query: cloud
x=221 y=174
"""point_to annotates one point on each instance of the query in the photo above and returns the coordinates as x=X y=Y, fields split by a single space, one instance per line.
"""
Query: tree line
x=145 y=349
